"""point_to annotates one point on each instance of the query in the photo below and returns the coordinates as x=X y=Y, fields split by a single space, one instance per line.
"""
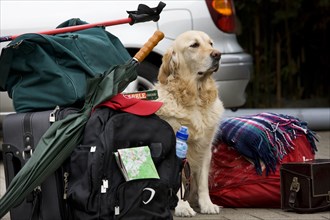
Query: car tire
x=147 y=75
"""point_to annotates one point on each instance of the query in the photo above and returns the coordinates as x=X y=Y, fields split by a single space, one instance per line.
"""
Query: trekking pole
x=142 y=14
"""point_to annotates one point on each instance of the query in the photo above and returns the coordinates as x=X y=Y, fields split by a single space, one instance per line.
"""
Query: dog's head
x=192 y=54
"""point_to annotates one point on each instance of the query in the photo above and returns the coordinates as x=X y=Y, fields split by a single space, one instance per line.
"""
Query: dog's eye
x=211 y=43
x=194 y=45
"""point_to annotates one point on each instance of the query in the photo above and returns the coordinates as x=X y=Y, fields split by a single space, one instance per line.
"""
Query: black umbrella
x=64 y=135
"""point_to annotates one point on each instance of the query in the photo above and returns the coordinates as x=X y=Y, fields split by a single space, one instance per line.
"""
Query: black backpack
x=92 y=166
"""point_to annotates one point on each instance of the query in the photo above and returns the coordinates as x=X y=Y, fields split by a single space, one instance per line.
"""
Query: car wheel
x=148 y=73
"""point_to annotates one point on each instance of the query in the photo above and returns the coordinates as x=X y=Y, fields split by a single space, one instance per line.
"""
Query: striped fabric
x=265 y=137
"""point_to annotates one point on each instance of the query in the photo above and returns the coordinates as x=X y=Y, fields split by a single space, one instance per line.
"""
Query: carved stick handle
x=149 y=45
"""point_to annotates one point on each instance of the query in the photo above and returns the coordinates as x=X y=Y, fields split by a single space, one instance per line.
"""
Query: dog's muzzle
x=215 y=56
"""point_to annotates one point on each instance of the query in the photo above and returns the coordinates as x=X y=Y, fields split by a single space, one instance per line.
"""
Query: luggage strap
x=187 y=174
x=27 y=137
x=294 y=189
x=36 y=204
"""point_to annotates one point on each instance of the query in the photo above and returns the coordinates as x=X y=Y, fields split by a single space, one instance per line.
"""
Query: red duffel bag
x=234 y=181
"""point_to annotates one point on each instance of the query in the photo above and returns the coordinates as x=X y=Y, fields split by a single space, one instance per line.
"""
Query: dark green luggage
x=40 y=72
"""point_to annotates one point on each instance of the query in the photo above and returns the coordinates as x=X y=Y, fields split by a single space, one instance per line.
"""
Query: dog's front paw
x=183 y=209
x=207 y=207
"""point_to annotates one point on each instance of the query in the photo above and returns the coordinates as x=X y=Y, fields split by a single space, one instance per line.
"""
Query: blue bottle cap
x=182 y=133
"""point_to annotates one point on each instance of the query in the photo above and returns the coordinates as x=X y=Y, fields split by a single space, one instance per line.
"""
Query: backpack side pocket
x=143 y=199
x=85 y=181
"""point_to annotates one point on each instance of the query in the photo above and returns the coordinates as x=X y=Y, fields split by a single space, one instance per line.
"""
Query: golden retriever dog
x=190 y=96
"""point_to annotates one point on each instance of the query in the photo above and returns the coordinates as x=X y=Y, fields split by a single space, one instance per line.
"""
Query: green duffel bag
x=42 y=71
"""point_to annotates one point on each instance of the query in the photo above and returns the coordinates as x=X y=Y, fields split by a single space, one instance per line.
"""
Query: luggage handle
x=11 y=153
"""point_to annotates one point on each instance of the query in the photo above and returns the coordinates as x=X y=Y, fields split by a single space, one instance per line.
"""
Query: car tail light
x=223 y=14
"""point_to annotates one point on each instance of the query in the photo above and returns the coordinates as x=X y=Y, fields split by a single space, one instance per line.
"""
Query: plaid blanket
x=265 y=137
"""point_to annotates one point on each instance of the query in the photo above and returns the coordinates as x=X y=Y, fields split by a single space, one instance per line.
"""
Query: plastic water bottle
x=181 y=142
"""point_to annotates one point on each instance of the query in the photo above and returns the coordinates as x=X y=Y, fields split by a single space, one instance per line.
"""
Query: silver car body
x=19 y=17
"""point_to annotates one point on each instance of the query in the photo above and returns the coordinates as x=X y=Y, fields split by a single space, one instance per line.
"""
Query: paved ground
x=245 y=213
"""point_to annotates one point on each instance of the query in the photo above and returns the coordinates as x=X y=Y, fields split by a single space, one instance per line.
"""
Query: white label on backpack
x=93 y=149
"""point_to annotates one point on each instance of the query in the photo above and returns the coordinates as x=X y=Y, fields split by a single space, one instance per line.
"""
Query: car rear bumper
x=232 y=78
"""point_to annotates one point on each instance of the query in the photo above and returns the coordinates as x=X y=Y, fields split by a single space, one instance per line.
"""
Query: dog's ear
x=168 y=66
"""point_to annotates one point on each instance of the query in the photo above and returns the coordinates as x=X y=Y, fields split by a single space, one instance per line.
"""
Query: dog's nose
x=216 y=54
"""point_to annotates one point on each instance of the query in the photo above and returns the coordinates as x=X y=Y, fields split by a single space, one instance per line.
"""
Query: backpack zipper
x=108 y=152
x=66 y=181
x=117 y=208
